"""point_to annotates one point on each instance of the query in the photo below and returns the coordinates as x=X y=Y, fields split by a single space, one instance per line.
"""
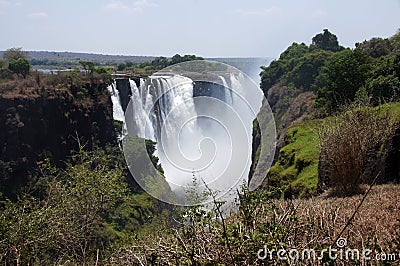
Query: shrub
x=352 y=145
x=20 y=66
x=63 y=214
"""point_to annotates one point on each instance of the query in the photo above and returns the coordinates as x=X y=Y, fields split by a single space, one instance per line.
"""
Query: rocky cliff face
x=50 y=123
x=123 y=85
x=289 y=108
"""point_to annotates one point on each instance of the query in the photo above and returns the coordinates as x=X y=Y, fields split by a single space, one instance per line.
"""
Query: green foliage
x=297 y=65
x=296 y=170
x=74 y=78
x=383 y=84
x=271 y=75
x=161 y=62
x=326 y=41
x=373 y=65
x=339 y=80
x=307 y=68
x=121 y=67
x=151 y=148
x=73 y=213
x=376 y=47
x=337 y=74
x=89 y=67
x=20 y=66
x=158 y=63
x=66 y=217
x=147 y=173
x=294 y=51
x=395 y=42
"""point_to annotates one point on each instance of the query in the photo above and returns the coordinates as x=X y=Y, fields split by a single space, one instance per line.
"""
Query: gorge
x=202 y=126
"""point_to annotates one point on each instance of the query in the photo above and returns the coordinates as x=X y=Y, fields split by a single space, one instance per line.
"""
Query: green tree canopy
x=294 y=51
x=87 y=66
x=345 y=73
x=376 y=47
x=326 y=41
x=121 y=67
x=20 y=66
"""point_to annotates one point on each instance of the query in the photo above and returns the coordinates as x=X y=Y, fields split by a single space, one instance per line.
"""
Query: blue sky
x=211 y=28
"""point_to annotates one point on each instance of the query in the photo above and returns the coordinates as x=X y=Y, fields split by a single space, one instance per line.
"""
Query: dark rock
x=34 y=127
x=391 y=165
x=125 y=92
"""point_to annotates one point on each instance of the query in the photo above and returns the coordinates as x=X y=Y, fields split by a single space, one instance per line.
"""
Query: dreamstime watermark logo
x=340 y=252
x=200 y=117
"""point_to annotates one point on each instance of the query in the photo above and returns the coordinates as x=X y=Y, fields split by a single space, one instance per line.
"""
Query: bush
x=352 y=145
x=20 y=66
x=63 y=215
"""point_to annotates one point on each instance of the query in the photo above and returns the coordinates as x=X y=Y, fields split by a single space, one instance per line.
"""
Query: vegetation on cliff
x=320 y=80
x=158 y=63
x=78 y=203
x=337 y=74
x=66 y=193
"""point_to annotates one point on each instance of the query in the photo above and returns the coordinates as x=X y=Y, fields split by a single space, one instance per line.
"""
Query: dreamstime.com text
x=341 y=252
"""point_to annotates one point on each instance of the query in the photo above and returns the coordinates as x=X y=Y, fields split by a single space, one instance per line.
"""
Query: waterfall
x=163 y=110
x=207 y=136
x=118 y=113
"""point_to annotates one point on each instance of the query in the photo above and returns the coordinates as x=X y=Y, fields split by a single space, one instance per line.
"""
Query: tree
x=14 y=54
x=307 y=68
x=294 y=51
x=176 y=59
x=271 y=74
x=160 y=62
x=66 y=219
x=20 y=66
x=344 y=74
x=121 y=67
x=326 y=41
x=376 y=47
x=87 y=66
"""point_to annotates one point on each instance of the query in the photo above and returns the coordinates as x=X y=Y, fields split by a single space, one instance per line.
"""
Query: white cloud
x=258 y=11
x=132 y=7
x=38 y=15
x=145 y=3
x=319 y=13
x=4 y=3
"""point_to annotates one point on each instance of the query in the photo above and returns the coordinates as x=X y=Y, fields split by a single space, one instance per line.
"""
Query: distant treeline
x=70 y=58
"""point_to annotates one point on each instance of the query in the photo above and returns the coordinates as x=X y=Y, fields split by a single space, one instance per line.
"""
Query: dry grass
x=376 y=222
x=305 y=223
x=351 y=148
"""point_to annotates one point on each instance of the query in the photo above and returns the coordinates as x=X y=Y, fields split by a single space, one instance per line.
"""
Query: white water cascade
x=118 y=113
x=208 y=137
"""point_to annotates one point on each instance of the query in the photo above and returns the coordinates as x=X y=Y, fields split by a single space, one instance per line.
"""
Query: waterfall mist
x=202 y=127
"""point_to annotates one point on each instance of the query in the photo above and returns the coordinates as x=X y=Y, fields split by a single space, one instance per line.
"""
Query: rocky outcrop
x=391 y=164
x=50 y=123
x=289 y=108
x=123 y=85
x=125 y=92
